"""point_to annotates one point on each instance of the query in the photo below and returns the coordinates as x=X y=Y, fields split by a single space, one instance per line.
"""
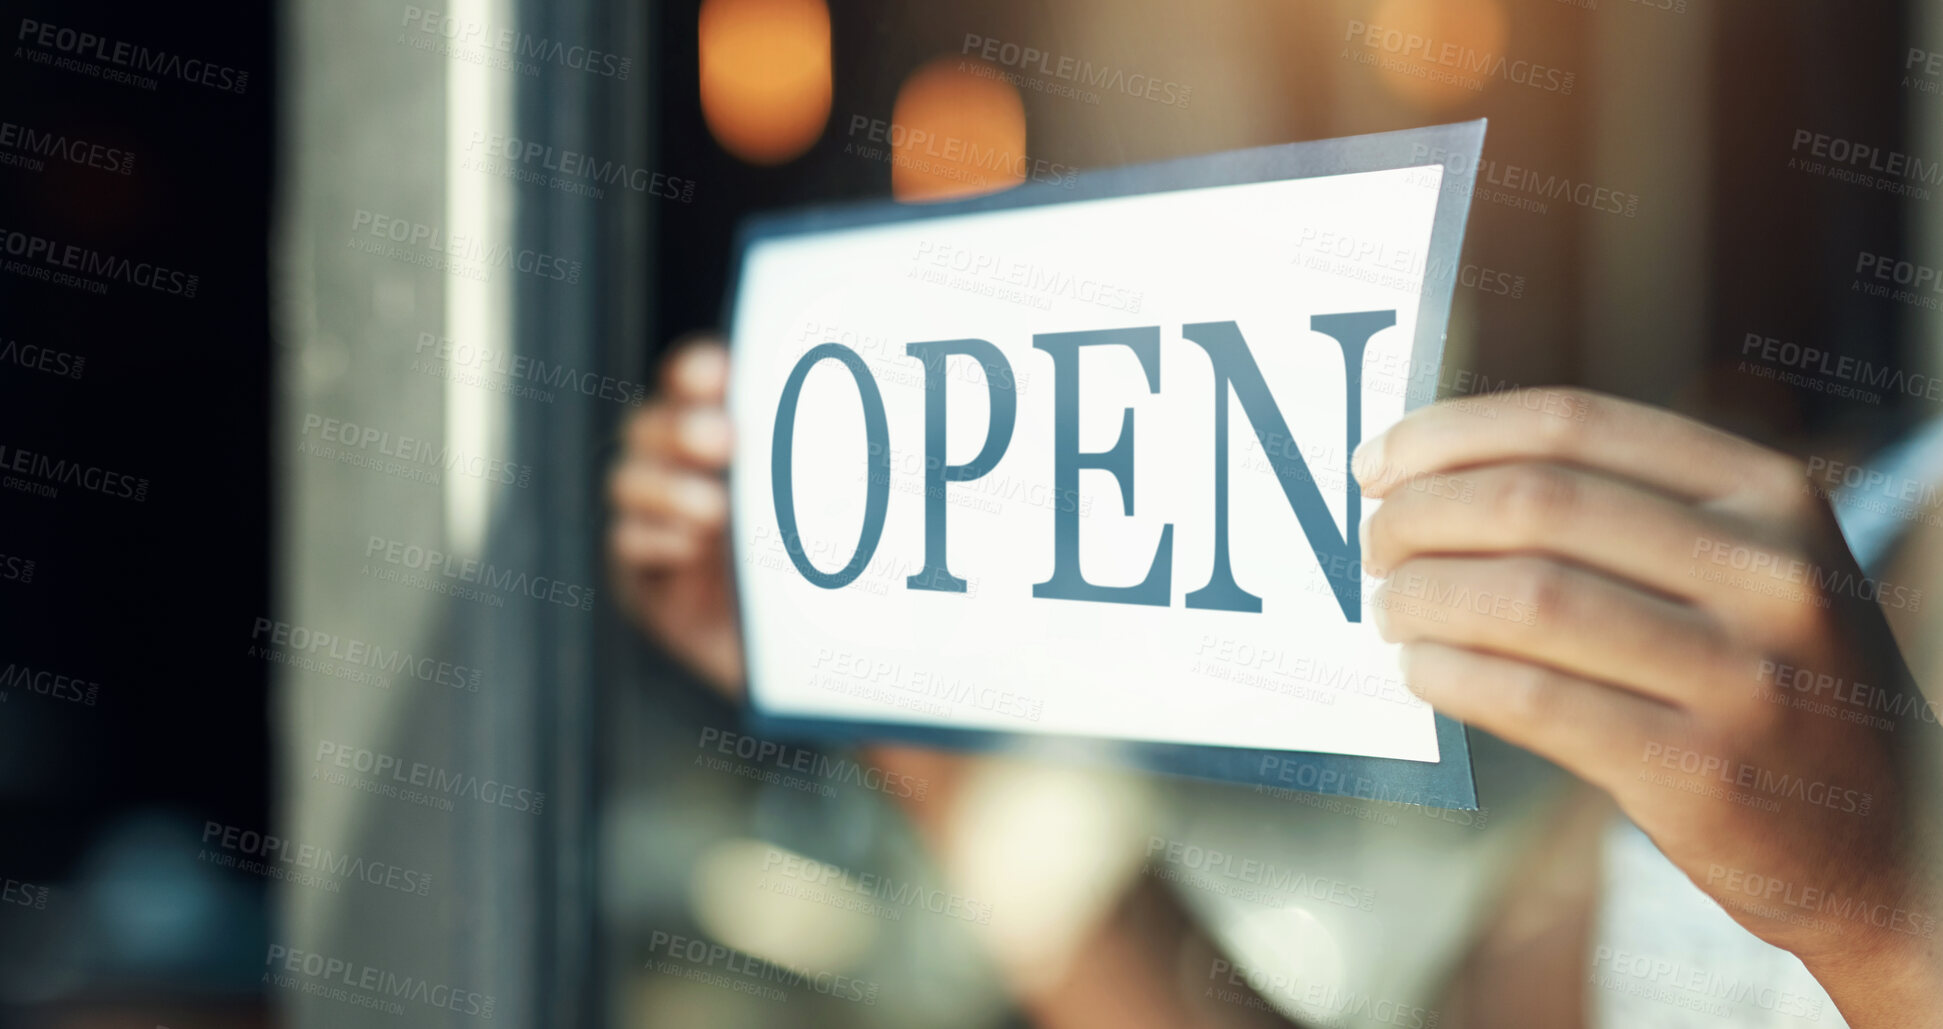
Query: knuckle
x=1786 y=487
x=1781 y=475
x=1800 y=617
x=1531 y=499
x=1543 y=588
x=1807 y=510
x=1574 y=403
x=1750 y=704
x=1561 y=425
x=1531 y=694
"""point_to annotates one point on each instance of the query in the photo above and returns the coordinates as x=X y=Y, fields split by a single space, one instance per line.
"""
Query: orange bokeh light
x=1466 y=30
x=765 y=75
x=956 y=130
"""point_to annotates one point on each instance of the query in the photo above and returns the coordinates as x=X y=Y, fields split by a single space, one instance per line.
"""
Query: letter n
x=1338 y=552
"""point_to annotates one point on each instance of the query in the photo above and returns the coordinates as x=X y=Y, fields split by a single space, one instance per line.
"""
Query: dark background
x=153 y=600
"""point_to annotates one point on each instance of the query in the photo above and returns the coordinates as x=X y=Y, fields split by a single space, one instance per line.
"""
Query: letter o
x=877 y=451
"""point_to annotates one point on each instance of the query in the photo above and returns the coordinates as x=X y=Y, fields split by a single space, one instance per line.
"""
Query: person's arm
x=1634 y=595
x=1141 y=964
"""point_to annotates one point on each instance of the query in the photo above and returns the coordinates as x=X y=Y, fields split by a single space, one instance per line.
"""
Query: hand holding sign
x=1680 y=580
x=670 y=513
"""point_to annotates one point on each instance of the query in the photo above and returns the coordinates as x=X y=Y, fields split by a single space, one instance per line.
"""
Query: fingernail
x=701 y=499
x=704 y=368
x=1367 y=461
x=705 y=432
x=1363 y=546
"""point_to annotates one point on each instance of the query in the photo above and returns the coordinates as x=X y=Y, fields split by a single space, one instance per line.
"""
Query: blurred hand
x=1630 y=594
x=668 y=538
x=668 y=534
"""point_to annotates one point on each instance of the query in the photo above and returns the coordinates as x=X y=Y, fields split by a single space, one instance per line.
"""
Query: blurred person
x=1683 y=578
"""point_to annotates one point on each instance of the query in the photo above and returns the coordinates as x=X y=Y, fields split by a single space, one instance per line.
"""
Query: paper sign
x=1074 y=464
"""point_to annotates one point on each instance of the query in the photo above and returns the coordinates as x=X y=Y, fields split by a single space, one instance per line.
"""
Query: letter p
x=998 y=435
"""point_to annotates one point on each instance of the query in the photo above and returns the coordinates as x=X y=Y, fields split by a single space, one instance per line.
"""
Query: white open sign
x=1076 y=463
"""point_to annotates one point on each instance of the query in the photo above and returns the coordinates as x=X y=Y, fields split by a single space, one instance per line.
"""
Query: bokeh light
x=957 y=129
x=1447 y=43
x=765 y=75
